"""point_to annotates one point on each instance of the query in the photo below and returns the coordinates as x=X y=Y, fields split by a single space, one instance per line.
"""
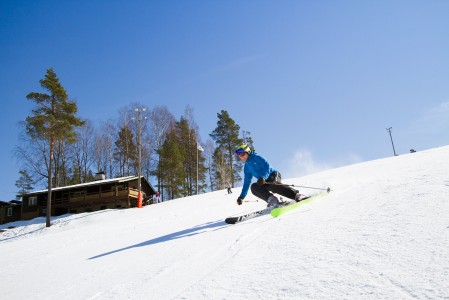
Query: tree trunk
x=50 y=171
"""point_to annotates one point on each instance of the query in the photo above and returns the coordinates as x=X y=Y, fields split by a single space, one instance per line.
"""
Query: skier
x=228 y=185
x=157 y=198
x=268 y=179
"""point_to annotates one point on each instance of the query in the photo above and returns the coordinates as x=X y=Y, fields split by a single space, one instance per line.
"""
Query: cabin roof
x=92 y=183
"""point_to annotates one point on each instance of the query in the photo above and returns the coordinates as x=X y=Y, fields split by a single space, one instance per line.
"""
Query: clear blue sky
x=316 y=82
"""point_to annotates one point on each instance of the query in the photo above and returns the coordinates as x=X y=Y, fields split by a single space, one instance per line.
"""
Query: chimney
x=100 y=176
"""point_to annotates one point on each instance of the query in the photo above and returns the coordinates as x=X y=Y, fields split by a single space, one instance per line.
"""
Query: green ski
x=284 y=209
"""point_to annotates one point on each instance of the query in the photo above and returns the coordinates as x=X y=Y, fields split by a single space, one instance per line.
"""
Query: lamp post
x=198 y=148
x=139 y=163
x=159 y=180
x=391 y=138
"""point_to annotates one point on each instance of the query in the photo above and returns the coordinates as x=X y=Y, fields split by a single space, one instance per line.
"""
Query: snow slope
x=382 y=233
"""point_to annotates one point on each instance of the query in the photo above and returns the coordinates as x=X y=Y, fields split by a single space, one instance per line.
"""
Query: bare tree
x=31 y=153
x=160 y=121
x=83 y=151
x=103 y=148
x=221 y=168
x=61 y=159
x=209 y=149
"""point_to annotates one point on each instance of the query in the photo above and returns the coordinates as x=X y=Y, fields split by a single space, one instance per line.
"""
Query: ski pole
x=301 y=186
x=250 y=200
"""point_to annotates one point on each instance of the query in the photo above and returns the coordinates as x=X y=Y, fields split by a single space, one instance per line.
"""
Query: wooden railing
x=93 y=196
x=133 y=193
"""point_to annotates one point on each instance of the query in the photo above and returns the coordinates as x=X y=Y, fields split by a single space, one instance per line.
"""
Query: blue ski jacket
x=256 y=166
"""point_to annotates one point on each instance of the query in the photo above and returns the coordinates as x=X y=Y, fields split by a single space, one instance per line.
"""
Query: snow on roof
x=97 y=182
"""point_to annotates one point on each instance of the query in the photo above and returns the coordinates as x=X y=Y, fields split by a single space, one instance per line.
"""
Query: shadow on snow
x=172 y=236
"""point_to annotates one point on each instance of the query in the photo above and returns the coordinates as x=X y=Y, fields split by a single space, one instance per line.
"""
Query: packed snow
x=381 y=233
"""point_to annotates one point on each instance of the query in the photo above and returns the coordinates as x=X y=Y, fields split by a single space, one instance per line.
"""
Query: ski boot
x=273 y=201
x=300 y=197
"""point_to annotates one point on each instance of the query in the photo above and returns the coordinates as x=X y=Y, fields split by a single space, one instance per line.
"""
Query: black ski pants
x=273 y=186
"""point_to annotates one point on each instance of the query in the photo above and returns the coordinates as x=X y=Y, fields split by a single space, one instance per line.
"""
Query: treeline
x=171 y=150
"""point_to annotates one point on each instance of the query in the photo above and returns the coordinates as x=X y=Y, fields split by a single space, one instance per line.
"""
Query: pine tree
x=194 y=159
x=171 y=166
x=125 y=151
x=186 y=138
x=53 y=120
x=226 y=135
x=247 y=139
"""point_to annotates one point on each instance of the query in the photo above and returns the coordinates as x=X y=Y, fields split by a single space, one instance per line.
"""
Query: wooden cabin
x=10 y=211
x=87 y=197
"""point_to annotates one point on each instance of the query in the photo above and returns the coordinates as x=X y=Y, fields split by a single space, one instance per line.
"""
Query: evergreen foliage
x=53 y=120
x=171 y=168
x=126 y=152
x=180 y=154
x=226 y=135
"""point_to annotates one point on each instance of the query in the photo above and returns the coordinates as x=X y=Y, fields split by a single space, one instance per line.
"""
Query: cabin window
x=9 y=212
x=32 y=200
x=78 y=193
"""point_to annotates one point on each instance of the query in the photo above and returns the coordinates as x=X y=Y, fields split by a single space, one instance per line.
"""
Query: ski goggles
x=240 y=151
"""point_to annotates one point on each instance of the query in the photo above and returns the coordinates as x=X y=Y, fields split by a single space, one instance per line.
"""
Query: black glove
x=260 y=181
x=239 y=201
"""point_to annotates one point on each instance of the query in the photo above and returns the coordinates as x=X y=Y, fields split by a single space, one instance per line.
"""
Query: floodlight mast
x=139 y=148
x=391 y=138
